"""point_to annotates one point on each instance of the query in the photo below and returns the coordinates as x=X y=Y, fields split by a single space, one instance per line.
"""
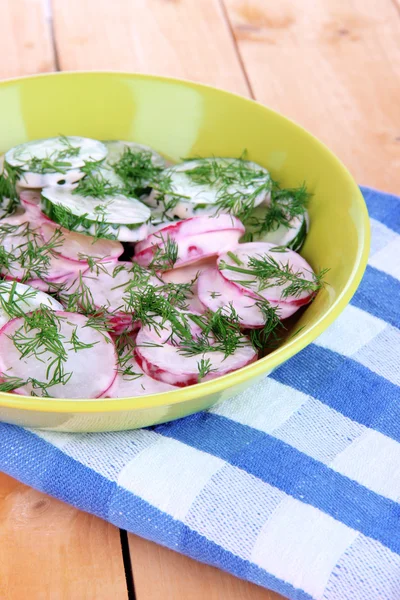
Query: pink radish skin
x=47 y=287
x=30 y=200
x=273 y=293
x=93 y=369
x=191 y=249
x=190 y=227
x=166 y=364
x=74 y=245
x=187 y=275
x=125 y=386
x=244 y=303
x=122 y=323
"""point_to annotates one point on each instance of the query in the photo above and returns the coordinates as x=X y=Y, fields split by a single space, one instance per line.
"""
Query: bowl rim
x=262 y=366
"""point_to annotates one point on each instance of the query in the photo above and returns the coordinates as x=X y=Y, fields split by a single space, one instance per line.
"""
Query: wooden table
x=334 y=67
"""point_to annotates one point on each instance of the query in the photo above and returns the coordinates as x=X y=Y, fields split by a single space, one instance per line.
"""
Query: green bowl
x=180 y=119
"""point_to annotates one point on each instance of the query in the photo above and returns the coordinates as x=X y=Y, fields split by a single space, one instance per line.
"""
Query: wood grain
x=25 y=38
x=51 y=551
x=161 y=573
x=189 y=39
x=334 y=67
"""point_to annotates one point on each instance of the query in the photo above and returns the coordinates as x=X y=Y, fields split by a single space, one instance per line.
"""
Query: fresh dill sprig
x=165 y=254
x=268 y=272
x=70 y=150
x=137 y=169
x=9 y=383
x=285 y=205
x=204 y=367
x=80 y=299
x=221 y=332
x=272 y=324
x=28 y=253
x=95 y=184
x=96 y=264
x=40 y=335
x=13 y=300
x=8 y=187
x=50 y=164
x=125 y=344
x=78 y=344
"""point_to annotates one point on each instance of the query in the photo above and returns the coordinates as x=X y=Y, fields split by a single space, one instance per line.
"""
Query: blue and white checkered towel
x=294 y=484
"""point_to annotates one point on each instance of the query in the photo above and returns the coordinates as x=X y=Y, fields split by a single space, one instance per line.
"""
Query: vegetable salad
x=124 y=275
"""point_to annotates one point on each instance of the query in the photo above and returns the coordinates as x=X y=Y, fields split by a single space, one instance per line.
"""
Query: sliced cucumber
x=53 y=161
x=116 y=149
x=291 y=236
x=206 y=185
x=114 y=217
x=298 y=241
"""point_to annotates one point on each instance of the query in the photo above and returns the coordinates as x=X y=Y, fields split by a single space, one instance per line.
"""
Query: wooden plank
x=187 y=39
x=51 y=551
x=25 y=38
x=161 y=573
x=334 y=67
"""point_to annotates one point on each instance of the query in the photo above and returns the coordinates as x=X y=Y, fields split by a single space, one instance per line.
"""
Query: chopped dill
x=165 y=254
x=204 y=367
x=285 y=205
x=137 y=169
x=96 y=185
x=268 y=272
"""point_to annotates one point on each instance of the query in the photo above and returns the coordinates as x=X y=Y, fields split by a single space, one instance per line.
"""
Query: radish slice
x=197 y=225
x=62 y=268
x=122 y=323
x=108 y=287
x=25 y=297
x=196 y=239
x=162 y=332
x=189 y=274
x=166 y=364
x=194 y=248
x=215 y=292
x=93 y=369
x=107 y=291
x=76 y=245
x=128 y=385
x=247 y=282
x=16 y=244
x=48 y=286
